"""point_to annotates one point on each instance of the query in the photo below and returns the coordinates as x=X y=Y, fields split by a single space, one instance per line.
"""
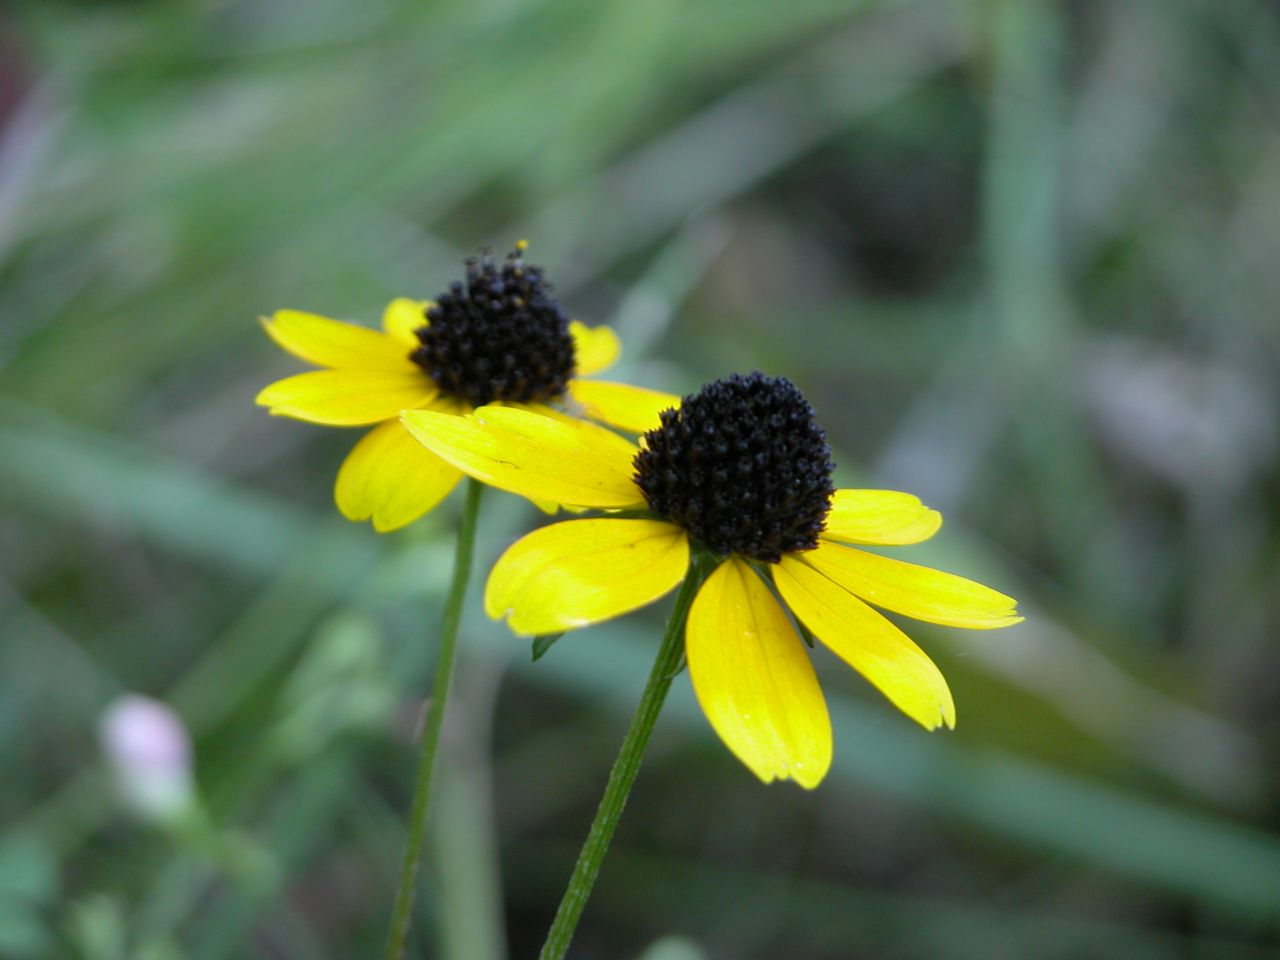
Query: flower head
x=742 y=466
x=499 y=337
x=740 y=472
x=149 y=752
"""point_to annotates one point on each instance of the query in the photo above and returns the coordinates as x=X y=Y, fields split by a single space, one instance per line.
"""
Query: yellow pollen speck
x=522 y=245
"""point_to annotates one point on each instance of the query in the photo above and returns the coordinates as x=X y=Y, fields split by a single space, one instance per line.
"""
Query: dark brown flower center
x=742 y=466
x=498 y=336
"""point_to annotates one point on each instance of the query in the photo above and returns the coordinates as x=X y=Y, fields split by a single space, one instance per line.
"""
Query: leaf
x=543 y=643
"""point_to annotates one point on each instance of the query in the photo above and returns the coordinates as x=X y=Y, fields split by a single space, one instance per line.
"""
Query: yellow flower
x=498 y=339
x=742 y=472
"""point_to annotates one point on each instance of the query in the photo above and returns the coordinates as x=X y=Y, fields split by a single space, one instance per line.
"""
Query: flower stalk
x=402 y=912
x=623 y=775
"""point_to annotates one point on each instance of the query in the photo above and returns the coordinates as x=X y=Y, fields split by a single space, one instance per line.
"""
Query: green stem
x=623 y=775
x=402 y=913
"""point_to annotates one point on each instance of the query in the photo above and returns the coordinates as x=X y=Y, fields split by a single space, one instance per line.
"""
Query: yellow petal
x=595 y=348
x=332 y=343
x=754 y=680
x=573 y=420
x=915 y=591
x=391 y=478
x=867 y=642
x=629 y=408
x=551 y=508
x=541 y=409
x=347 y=398
x=403 y=317
x=570 y=574
x=880 y=516
x=539 y=457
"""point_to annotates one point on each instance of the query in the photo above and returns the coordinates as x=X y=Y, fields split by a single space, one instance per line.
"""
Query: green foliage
x=543 y=643
x=28 y=889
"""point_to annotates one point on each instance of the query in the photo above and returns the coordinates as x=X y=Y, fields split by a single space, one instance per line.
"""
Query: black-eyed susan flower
x=741 y=471
x=497 y=338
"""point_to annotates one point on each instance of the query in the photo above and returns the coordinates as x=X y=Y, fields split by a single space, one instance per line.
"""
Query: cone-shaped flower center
x=742 y=466
x=499 y=336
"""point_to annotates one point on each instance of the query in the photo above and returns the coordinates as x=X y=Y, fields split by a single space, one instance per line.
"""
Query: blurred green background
x=1021 y=255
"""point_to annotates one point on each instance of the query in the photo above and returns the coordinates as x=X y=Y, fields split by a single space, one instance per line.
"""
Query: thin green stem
x=402 y=913
x=623 y=775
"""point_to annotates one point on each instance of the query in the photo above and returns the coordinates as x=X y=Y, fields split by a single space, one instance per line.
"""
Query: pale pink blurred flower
x=149 y=752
